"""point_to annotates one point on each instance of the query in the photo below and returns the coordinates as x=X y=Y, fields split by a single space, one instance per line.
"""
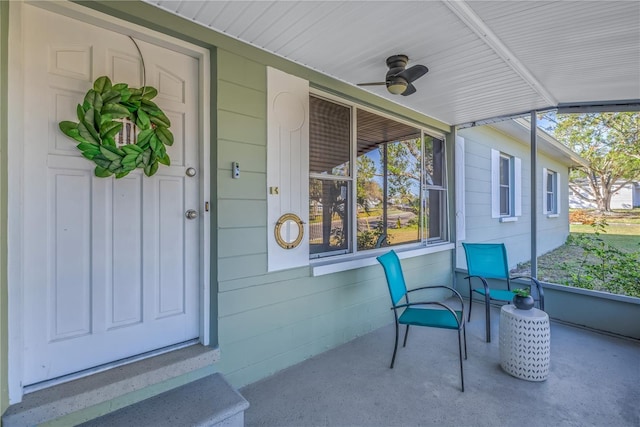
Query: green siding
x=264 y=322
x=552 y=232
x=241 y=128
x=480 y=227
x=254 y=156
x=4 y=37
x=268 y=321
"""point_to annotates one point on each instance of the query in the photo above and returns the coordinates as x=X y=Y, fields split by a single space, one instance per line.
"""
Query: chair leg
x=487 y=318
x=470 y=304
x=395 y=348
x=464 y=335
x=406 y=334
x=460 y=356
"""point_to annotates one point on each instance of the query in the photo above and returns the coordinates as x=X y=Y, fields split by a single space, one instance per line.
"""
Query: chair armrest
x=484 y=283
x=538 y=288
x=453 y=291
x=459 y=321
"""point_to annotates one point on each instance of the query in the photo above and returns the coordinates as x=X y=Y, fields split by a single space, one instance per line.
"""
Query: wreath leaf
x=110 y=129
x=108 y=154
x=160 y=120
x=84 y=133
x=101 y=172
x=102 y=84
x=143 y=119
x=69 y=128
x=98 y=125
x=92 y=100
x=148 y=92
x=111 y=97
x=165 y=136
x=116 y=111
x=165 y=160
x=132 y=149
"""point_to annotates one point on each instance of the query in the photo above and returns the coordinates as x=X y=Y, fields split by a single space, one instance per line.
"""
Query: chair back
x=488 y=260
x=395 y=279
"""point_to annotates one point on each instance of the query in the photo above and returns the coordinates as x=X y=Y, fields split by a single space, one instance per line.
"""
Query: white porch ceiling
x=486 y=58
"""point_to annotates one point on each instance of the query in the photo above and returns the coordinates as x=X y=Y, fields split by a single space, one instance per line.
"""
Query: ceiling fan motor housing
x=396 y=64
x=398 y=79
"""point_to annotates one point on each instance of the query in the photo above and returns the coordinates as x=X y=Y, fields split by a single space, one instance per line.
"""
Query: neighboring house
x=628 y=197
x=497 y=177
x=218 y=250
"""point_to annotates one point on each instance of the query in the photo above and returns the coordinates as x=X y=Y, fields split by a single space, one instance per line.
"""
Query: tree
x=610 y=142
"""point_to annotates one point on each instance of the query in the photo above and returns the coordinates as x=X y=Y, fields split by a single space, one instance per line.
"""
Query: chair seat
x=430 y=317
x=497 y=294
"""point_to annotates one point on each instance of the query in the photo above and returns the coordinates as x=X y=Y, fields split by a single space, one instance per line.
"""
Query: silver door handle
x=191 y=214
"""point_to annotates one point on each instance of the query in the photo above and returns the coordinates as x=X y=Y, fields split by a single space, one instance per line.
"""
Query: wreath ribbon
x=98 y=125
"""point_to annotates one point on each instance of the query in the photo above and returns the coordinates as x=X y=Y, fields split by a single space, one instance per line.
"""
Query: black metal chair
x=415 y=313
x=489 y=261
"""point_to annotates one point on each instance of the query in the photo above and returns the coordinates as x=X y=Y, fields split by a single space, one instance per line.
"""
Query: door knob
x=191 y=214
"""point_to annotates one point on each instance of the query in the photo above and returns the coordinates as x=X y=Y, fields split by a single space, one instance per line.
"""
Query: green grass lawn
x=557 y=266
x=625 y=237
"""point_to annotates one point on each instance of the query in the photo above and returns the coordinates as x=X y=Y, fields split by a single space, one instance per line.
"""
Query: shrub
x=604 y=267
x=581 y=216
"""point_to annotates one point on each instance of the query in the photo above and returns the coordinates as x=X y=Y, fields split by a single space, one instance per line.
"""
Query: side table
x=525 y=343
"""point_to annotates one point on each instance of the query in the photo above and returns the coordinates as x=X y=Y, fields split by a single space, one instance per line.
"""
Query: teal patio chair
x=489 y=261
x=420 y=313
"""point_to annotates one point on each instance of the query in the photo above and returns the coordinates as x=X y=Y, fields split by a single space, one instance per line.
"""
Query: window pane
x=550 y=202
x=388 y=182
x=328 y=216
x=403 y=194
x=434 y=161
x=435 y=215
x=329 y=137
x=370 y=200
x=504 y=171
x=504 y=201
x=550 y=183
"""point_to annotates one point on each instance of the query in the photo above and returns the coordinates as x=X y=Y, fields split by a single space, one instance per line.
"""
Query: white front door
x=111 y=266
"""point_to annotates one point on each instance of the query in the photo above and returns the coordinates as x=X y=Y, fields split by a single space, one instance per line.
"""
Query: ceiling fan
x=399 y=79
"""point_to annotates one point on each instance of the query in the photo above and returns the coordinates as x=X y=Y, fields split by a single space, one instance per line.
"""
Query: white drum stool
x=525 y=343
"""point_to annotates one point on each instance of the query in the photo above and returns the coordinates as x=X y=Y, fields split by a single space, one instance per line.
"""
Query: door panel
x=111 y=266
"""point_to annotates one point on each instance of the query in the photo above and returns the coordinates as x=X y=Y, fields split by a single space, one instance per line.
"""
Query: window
x=395 y=194
x=329 y=177
x=551 y=190
x=505 y=186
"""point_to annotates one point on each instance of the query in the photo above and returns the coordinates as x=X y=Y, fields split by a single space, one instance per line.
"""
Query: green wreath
x=98 y=126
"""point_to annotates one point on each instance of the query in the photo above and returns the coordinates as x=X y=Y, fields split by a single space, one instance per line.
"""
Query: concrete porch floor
x=594 y=380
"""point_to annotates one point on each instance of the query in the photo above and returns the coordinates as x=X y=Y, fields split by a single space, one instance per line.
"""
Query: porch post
x=534 y=192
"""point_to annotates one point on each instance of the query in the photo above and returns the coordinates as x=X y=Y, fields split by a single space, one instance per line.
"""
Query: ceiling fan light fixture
x=397 y=86
x=399 y=79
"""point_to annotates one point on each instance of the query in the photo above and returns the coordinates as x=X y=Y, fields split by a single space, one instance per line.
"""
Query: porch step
x=95 y=395
x=210 y=401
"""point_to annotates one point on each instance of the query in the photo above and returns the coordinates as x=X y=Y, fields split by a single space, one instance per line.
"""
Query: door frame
x=15 y=155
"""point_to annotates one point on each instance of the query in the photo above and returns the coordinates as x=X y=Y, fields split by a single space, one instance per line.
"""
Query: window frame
x=509 y=203
x=424 y=242
x=554 y=194
x=514 y=186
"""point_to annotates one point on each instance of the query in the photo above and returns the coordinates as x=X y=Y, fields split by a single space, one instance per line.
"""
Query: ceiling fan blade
x=372 y=84
x=410 y=89
x=413 y=73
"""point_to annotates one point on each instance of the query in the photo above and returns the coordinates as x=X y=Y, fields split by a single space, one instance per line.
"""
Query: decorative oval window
x=289 y=231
